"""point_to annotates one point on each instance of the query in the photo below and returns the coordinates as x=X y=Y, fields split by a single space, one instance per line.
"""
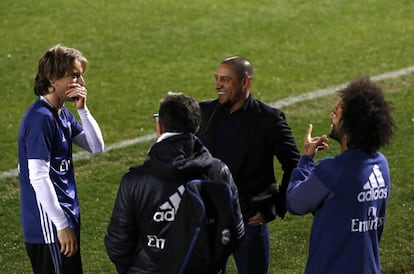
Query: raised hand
x=314 y=144
x=77 y=93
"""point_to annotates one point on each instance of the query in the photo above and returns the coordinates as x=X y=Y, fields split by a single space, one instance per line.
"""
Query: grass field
x=138 y=50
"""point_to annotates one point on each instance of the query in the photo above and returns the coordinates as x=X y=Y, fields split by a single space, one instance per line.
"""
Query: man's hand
x=256 y=220
x=77 y=93
x=314 y=144
x=68 y=241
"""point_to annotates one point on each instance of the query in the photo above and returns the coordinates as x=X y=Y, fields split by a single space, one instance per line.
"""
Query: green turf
x=138 y=50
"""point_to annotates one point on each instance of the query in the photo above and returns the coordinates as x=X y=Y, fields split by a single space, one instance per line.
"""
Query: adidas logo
x=168 y=209
x=374 y=188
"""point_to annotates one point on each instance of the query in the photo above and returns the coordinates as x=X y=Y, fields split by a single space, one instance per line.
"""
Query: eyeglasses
x=155 y=116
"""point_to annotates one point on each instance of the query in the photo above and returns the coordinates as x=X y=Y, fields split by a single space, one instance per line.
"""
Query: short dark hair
x=240 y=65
x=366 y=115
x=179 y=112
x=55 y=63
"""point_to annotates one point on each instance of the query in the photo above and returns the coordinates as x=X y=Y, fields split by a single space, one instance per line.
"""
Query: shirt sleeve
x=90 y=138
x=45 y=192
x=121 y=238
x=238 y=223
x=285 y=148
x=39 y=136
x=305 y=191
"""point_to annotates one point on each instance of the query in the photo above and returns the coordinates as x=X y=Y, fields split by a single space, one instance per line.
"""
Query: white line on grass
x=330 y=90
x=281 y=103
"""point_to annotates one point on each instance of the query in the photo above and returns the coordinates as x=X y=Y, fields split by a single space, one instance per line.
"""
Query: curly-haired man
x=347 y=193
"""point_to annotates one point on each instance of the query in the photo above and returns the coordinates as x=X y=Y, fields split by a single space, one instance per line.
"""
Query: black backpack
x=203 y=234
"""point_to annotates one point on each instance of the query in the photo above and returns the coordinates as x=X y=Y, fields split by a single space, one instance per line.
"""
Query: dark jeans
x=253 y=256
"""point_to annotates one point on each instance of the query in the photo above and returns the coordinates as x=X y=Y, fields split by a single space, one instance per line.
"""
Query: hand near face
x=77 y=93
x=314 y=144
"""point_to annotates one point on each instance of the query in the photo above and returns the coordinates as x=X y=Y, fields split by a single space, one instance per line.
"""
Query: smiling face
x=232 y=89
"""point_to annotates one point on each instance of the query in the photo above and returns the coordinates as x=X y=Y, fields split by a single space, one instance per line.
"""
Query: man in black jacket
x=246 y=134
x=149 y=194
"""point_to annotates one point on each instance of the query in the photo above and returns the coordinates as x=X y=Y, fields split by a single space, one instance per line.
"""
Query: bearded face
x=336 y=132
x=230 y=87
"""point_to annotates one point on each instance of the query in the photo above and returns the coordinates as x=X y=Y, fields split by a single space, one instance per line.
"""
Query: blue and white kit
x=347 y=195
x=49 y=198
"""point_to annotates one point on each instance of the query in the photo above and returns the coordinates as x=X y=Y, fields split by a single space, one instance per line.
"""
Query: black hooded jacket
x=148 y=195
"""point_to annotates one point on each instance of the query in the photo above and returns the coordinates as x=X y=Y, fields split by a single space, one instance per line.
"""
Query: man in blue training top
x=49 y=206
x=347 y=193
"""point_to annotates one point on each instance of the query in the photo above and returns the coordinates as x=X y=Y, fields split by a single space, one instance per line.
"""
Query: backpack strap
x=200 y=238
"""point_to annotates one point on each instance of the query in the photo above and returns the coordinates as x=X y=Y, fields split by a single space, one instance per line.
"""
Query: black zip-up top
x=147 y=199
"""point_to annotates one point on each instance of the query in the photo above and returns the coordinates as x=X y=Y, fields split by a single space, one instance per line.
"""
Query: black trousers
x=46 y=259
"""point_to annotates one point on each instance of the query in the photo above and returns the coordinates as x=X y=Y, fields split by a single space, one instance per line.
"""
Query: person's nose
x=218 y=84
x=332 y=115
x=80 y=80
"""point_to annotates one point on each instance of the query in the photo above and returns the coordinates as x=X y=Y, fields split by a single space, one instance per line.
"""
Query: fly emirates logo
x=374 y=188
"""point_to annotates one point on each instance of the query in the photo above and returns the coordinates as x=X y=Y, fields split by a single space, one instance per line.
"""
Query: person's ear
x=51 y=80
x=159 y=128
x=246 y=82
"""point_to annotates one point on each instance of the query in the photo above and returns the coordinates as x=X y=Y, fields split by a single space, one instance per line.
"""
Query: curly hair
x=366 y=115
x=55 y=63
